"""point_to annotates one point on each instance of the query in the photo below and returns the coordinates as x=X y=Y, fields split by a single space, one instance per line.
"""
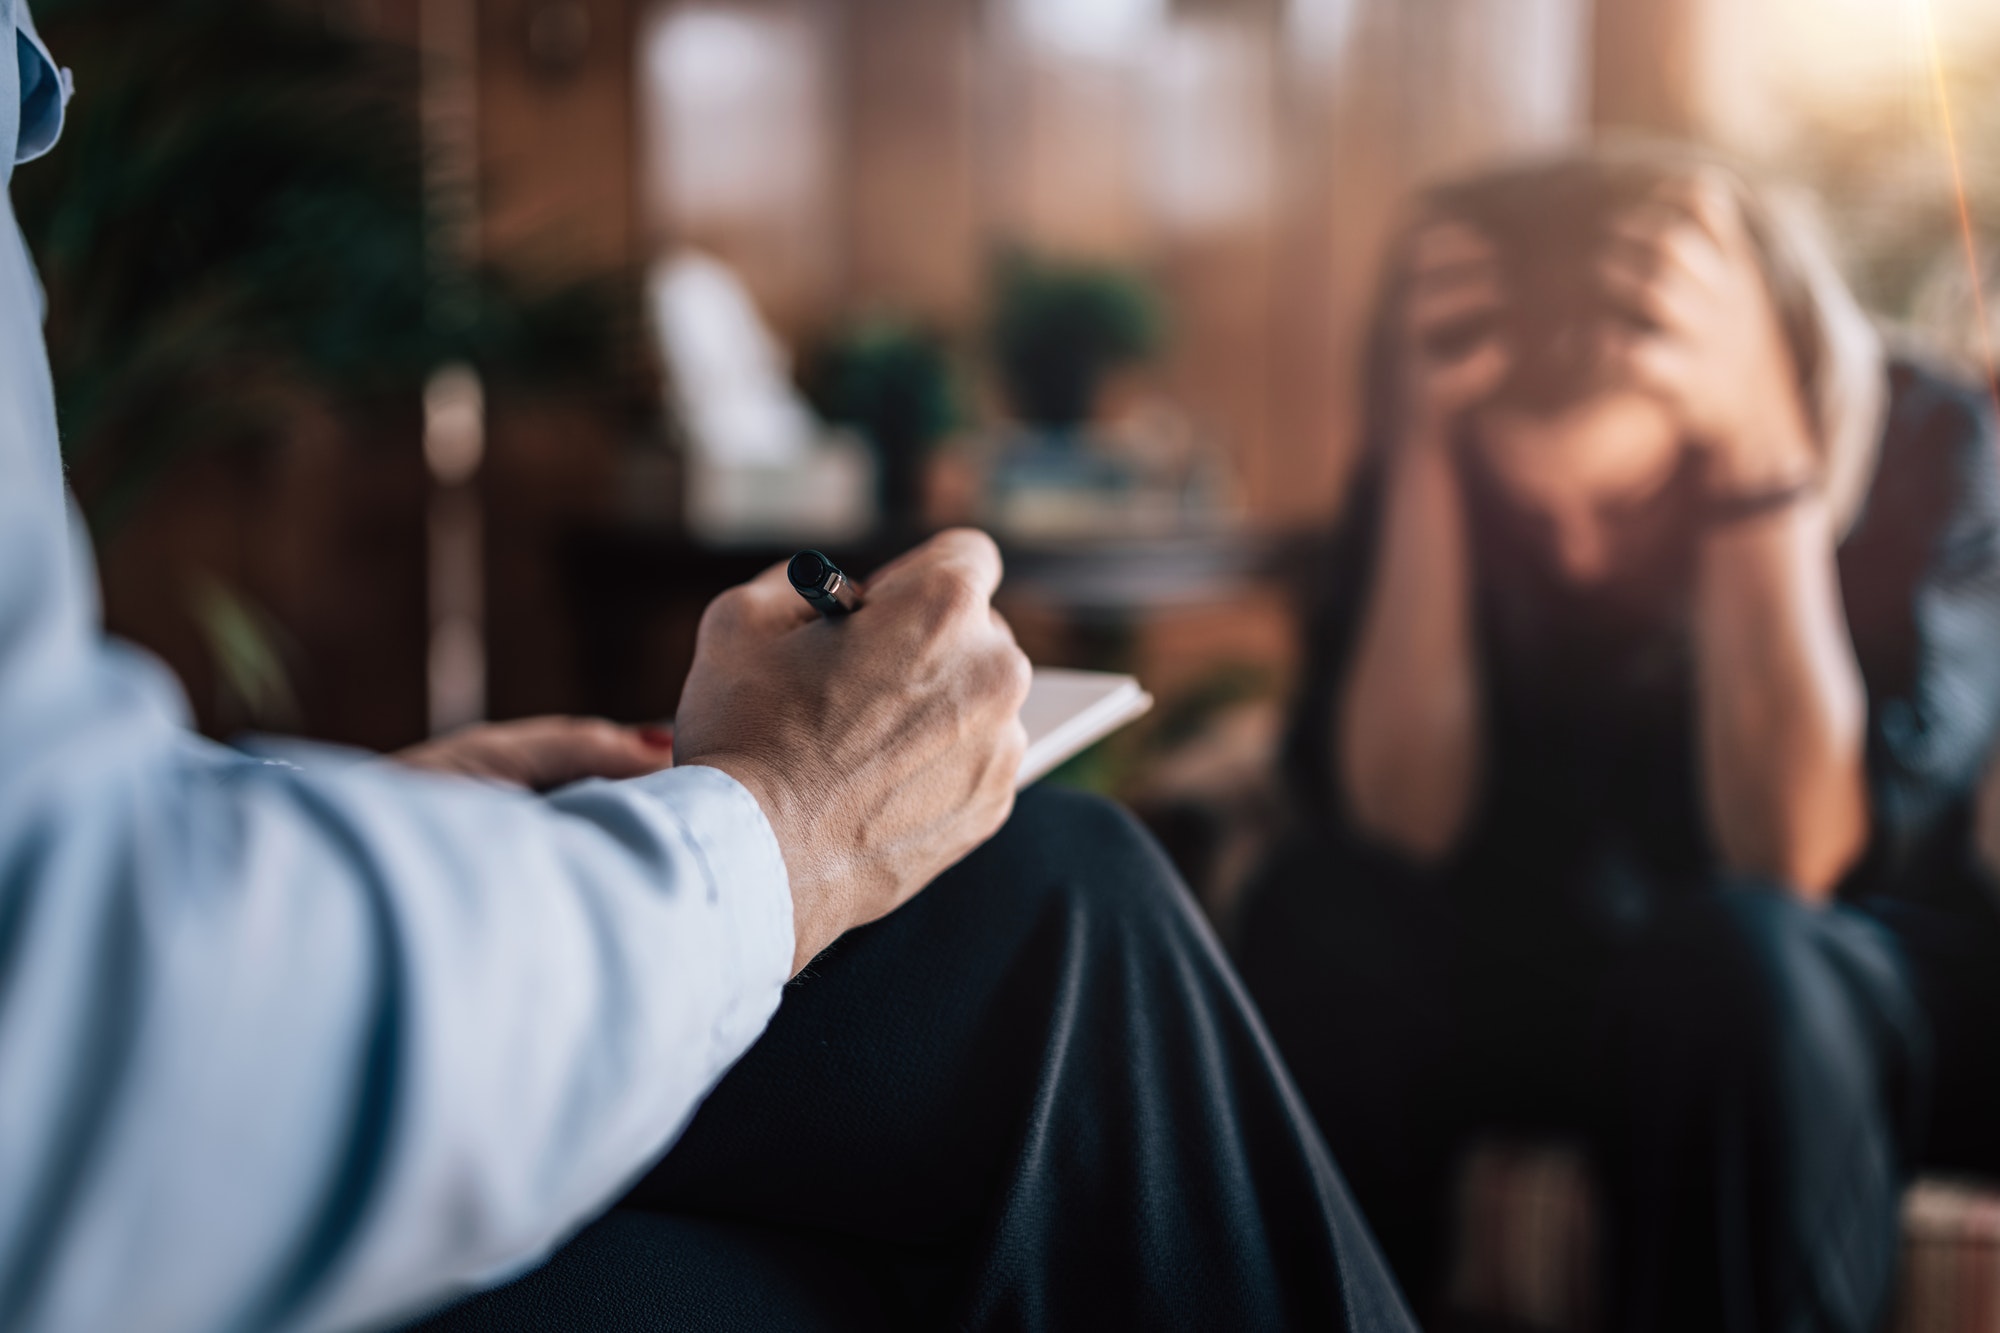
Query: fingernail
x=660 y=738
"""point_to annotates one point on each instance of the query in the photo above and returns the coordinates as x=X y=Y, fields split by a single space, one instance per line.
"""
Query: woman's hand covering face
x=1452 y=351
x=1705 y=337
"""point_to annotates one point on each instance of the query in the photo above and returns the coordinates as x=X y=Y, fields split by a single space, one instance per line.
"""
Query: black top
x=1592 y=763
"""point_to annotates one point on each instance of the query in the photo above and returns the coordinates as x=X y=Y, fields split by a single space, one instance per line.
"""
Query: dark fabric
x=633 y=1270
x=1751 y=1071
x=1764 y=1073
x=1034 y=1098
x=1953 y=960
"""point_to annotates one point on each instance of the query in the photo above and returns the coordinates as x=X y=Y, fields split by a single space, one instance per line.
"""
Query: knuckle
x=949 y=592
x=961 y=598
x=602 y=732
x=1013 y=745
x=973 y=552
x=724 y=614
x=972 y=541
x=991 y=681
x=1020 y=674
x=999 y=678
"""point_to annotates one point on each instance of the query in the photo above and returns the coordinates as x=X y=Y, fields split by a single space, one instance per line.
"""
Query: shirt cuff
x=747 y=880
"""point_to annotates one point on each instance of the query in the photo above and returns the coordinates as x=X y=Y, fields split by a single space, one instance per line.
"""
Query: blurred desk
x=636 y=594
x=1117 y=580
x=1106 y=605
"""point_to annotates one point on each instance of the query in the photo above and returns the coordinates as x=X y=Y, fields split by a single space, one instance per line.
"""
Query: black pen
x=822 y=583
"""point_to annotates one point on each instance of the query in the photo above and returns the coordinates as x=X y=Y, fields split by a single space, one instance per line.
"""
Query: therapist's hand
x=882 y=746
x=541 y=753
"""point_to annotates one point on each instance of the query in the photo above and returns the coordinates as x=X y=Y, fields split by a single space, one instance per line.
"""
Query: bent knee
x=1753 y=971
x=1086 y=850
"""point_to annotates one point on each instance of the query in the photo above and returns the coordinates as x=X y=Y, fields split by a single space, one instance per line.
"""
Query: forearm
x=1407 y=722
x=476 y=1013
x=1783 y=714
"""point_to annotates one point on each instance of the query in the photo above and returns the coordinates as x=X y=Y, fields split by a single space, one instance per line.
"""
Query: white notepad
x=1066 y=711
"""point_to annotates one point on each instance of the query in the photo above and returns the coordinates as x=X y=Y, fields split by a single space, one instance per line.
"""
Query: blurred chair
x=1527 y=1246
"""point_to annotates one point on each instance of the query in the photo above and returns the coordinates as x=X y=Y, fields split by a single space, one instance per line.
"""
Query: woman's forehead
x=1610 y=430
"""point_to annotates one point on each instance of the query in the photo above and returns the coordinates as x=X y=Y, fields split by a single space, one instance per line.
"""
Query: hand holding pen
x=823 y=584
x=882 y=747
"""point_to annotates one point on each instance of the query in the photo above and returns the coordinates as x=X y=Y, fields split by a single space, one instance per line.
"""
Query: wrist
x=1764 y=458
x=1737 y=508
x=818 y=913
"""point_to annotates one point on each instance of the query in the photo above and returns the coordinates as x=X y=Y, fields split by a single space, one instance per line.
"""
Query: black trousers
x=1752 y=1074
x=1034 y=1098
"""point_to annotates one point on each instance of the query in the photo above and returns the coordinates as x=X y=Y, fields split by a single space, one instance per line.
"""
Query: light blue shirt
x=313 y=1047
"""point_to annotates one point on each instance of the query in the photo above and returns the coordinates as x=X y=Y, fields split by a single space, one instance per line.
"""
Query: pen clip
x=823 y=583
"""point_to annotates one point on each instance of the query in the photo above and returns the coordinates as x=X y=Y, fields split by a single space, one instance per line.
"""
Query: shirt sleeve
x=316 y=1045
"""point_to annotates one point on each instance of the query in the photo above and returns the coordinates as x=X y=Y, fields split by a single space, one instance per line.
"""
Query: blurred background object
x=758 y=464
x=1060 y=333
x=894 y=383
x=698 y=280
x=246 y=298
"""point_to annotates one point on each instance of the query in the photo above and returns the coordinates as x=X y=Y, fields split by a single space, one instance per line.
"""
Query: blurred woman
x=1664 y=615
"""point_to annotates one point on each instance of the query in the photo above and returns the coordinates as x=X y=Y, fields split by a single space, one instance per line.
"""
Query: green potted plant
x=891 y=381
x=234 y=222
x=232 y=236
x=1059 y=329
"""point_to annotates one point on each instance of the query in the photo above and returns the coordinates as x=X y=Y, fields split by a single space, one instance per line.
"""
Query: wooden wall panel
x=1644 y=69
x=914 y=238
x=557 y=137
x=740 y=144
